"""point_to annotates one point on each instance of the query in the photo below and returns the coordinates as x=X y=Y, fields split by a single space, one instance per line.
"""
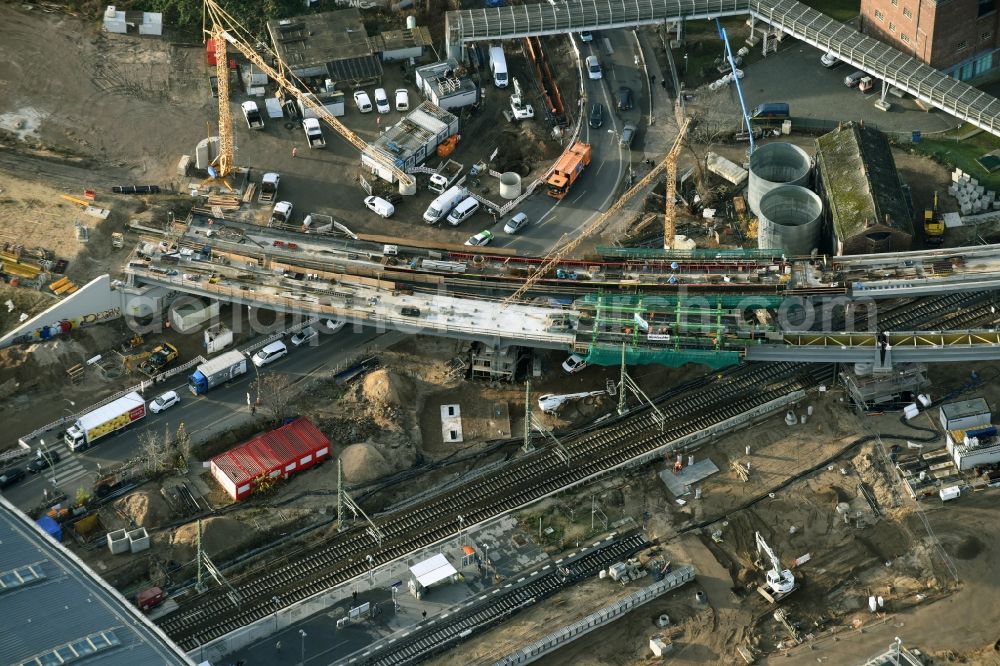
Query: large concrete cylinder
x=510 y=185
x=790 y=218
x=774 y=165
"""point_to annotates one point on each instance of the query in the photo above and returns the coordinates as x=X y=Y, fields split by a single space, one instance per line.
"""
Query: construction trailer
x=965 y=414
x=446 y=84
x=270 y=456
x=412 y=140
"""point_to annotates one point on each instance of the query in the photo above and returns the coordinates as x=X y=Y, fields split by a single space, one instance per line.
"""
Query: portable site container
x=965 y=414
x=291 y=448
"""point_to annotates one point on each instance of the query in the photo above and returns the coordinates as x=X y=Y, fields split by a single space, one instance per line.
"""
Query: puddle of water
x=23 y=121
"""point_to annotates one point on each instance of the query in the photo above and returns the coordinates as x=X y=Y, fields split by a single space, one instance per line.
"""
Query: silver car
x=516 y=223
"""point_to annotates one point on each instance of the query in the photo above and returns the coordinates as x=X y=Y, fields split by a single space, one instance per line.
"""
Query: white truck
x=110 y=418
x=498 y=67
x=445 y=176
x=314 y=133
x=281 y=214
x=255 y=121
x=443 y=204
x=269 y=187
x=216 y=371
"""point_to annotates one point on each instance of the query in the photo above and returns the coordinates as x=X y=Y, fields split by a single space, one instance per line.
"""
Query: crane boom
x=669 y=214
x=224 y=162
x=557 y=255
x=228 y=28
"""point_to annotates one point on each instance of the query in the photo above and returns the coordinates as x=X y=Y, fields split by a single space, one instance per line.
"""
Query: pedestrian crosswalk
x=67 y=471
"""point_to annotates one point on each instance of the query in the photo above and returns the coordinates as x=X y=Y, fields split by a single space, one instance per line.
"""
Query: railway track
x=687 y=408
x=424 y=642
x=211 y=614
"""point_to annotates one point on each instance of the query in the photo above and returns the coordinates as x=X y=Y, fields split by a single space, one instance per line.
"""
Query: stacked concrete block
x=118 y=542
x=138 y=540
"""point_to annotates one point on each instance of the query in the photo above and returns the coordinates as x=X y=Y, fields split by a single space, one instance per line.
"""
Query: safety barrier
x=570 y=633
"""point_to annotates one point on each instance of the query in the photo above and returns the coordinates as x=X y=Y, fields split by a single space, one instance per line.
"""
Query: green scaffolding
x=699 y=253
x=654 y=302
x=608 y=355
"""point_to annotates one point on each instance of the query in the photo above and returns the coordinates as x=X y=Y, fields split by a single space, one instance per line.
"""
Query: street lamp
x=43 y=452
x=276 y=600
x=371 y=570
x=486 y=547
x=302 y=633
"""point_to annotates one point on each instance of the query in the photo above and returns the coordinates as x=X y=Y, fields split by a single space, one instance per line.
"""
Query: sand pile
x=218 y=536
x=363 y=463
x=38 y=365
x=146 y=509
x=385 y=387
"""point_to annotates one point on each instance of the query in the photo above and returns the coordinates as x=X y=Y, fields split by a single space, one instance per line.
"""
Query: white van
x=444 y=203
x=463 y=211
x=380 y=206
x=270 y=353
x=498 y=65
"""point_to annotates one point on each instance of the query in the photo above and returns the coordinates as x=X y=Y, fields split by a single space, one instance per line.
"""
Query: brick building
x=959 y=37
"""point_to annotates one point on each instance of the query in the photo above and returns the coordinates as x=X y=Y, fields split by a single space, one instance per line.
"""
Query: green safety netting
x=700 y=253
x=673 y=358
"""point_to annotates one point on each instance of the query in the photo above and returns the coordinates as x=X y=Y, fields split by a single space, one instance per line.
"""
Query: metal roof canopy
x=809 y=25
x=433 y=570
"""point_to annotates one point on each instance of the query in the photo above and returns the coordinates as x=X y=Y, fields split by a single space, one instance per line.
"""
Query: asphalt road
x=204 y=416
x=552 y=219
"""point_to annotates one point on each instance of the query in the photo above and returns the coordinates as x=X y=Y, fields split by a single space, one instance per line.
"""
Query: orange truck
x=568 y=169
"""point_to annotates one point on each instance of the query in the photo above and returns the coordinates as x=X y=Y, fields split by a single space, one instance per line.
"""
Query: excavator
x=780 y=582
x=933 y=224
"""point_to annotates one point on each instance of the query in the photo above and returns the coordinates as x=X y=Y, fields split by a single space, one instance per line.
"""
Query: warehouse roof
x=861 y=182
x=336 y=41
x=271 y=450
x=56 y=610
x=395 y=40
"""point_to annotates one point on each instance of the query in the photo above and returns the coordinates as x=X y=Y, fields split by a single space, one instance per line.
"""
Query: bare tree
x=274 y=393
x=156 y=449
x=182 y=446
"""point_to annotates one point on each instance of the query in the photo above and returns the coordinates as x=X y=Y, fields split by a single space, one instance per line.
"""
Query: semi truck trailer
x=216 y=371
x=102 y=421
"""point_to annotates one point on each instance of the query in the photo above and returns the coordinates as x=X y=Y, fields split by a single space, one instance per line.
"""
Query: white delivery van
x=269 y=354
x=441 y=206
x=498 y=66
x=463 y=211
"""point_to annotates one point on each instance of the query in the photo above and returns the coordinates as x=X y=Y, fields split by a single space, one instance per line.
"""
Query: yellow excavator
x=933 y=224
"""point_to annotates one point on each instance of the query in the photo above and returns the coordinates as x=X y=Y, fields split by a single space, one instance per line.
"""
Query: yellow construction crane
x=554 y=257
x=669 y=216
x=227 y=29
x=222 y=166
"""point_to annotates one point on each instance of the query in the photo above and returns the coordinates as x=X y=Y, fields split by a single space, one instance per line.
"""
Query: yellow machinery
x=669 y=209
x=933 y=224
x=557 y=255
x=225 y=29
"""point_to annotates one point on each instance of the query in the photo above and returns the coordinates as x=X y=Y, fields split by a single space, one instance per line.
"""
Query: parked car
x=402 y=99
x=380 y=206
x=574 y=364
x=829 y=60
x=304 y=336
x=362 y=100
x=516 y=223
x=852 y=79
x=43 y=461
x=270 y=353
x=593 y=67
x=628 y=134
x=382 y=101
x=409 y=311
x=596 y=115
x=480 y=239
x=334 y=325
x=10 y=477
x=624 y=98
x=163 y=402
x=586 y=36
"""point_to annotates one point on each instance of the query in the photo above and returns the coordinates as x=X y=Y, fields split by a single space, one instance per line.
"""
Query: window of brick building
x=892 y=27
x=879 y=15
x=986 y=36
x=895 y=3
x=962 y=45
x=905 y=37
x=987 y=6
x=907 y=13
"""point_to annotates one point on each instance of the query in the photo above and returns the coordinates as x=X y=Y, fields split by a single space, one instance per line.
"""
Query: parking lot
x=795 y=75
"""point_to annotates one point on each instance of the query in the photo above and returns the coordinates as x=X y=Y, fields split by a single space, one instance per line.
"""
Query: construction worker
x=295 y=151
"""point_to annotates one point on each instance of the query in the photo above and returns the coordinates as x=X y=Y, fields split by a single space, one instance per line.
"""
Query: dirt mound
x=385 y=387
x=218 y=535
x=146 y=509
x=40 y=363
x=363 y=463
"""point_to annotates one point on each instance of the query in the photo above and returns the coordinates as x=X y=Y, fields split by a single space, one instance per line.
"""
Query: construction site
x=384 y=334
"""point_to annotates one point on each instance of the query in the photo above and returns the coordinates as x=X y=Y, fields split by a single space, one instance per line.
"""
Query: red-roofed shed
x=279 y=453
